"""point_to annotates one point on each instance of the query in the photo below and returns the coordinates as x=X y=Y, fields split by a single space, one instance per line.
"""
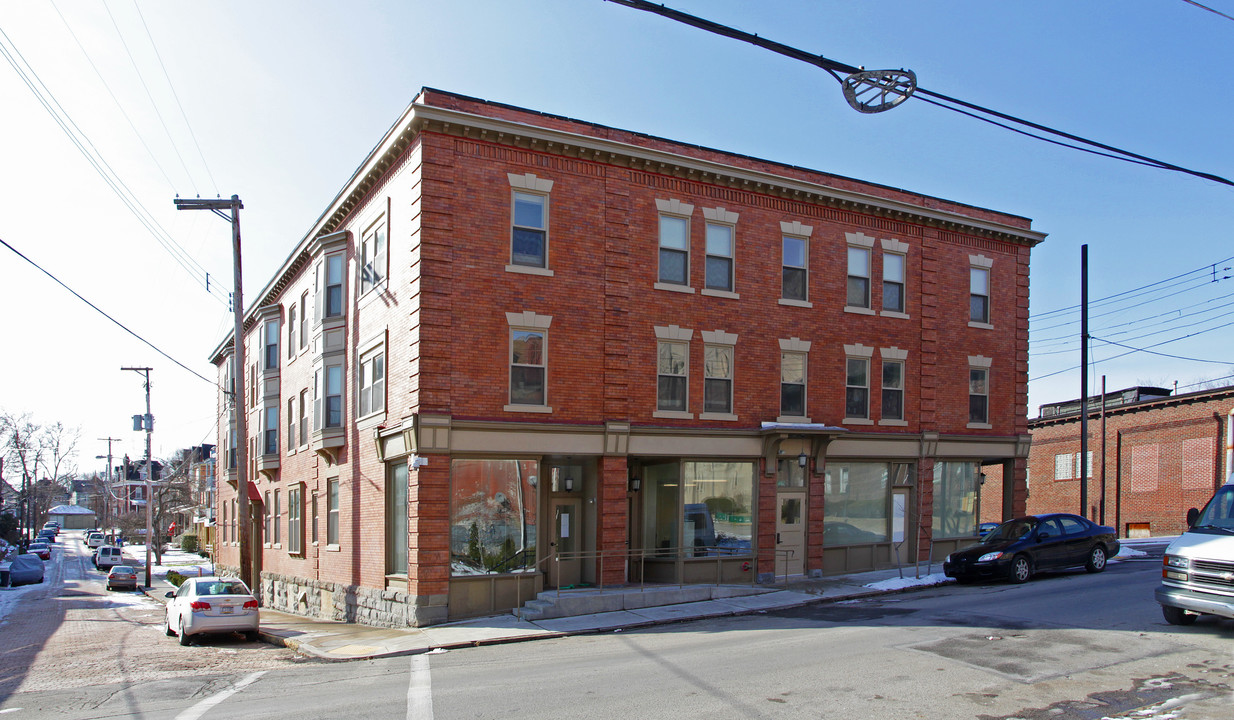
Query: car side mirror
x=1043 y=536
x=1192 y=515
x=170 y=594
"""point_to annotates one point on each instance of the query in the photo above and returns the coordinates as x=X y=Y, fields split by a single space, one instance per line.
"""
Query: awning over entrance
x=254 y=494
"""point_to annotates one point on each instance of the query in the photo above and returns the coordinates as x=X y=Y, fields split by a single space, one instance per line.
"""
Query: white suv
x=94 y=539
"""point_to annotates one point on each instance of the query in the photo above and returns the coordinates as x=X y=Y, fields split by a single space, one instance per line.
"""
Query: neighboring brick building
x=1162 y=455
x=522 y=351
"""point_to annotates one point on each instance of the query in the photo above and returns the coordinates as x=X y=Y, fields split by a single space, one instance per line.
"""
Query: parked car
x=1020 y=548
x=122 y=576
x=46 y=536
x=211 y=605
x=108 y=557
x=25 y=570
x=42 y=549
x=94 y=540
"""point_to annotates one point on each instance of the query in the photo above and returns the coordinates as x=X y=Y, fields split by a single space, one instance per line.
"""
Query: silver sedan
x=212 y=605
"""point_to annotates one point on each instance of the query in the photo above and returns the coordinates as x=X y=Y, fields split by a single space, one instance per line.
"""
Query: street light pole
x=148 y=423
x=230 y=210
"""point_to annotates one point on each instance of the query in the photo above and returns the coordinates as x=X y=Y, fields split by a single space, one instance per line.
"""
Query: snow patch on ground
x=907 y=582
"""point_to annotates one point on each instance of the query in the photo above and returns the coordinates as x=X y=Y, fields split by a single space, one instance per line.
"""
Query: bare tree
x=37 y=449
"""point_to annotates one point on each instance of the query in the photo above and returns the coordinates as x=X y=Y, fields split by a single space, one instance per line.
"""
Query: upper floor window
x=304 y=334
x=893 y=282
x=794 y=285
x=332 y=511
x=271 y=347
x=719 y=257
x=893 y=390
x=328 y=397
x=978 y=395
x=979 y=295
x=270 y=431
x=527 y=367
x=304 y=438
x=291 y=423
x=857 y=388
x=672 y=376
x=330 y=286
x=718 y=378
x=858 y=294
x=373 y=383
x=373 y=257
x=292 y=326
x=792 y=384
x=674 y=250
x=529 y=238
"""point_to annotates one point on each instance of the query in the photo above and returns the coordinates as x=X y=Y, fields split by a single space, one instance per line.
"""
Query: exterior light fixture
x=802 y=460
x=635 y=482
x=569 y=483
x=873 y=91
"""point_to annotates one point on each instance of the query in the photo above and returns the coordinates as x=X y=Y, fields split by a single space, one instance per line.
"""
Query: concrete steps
x=571 y=603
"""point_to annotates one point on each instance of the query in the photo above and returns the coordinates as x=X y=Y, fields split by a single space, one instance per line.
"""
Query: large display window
x=492 y=516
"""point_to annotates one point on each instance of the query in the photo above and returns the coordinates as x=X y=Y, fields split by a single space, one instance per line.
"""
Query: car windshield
x=1010 y=530
x=1219 y=512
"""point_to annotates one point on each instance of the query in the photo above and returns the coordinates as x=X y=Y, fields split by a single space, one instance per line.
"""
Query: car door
x=1077 y=540
x=1049 y=549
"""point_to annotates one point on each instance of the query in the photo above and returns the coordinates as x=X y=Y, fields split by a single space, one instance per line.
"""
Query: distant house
x=72 y=517
x=9 y=498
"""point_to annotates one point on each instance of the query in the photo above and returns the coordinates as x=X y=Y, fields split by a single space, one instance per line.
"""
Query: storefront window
x=719 y=507
x=955 y=499
x=855 y=503
x=661 y=483
x=492 y=516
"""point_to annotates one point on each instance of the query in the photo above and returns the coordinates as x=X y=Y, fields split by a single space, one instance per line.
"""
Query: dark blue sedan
x=1018 y=549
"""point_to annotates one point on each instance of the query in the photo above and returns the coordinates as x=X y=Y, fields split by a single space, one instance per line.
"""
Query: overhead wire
x=1207 y=268
x=100 y=311
x=106 y=172
x=1211 y=10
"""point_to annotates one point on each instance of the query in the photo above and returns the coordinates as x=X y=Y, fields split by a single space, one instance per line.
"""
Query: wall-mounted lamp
x=569 y=483
x=981 y=478
x=532 y=480
x=802 y=460
x=635 y=482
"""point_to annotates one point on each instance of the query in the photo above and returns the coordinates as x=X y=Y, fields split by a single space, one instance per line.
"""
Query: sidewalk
x=336 y=641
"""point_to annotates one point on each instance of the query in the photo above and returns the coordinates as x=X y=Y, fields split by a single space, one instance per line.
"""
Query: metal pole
x=1083 y=381
x=1103 y=450
x=148 y=422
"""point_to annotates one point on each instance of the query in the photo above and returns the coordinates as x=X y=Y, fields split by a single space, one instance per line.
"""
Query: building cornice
x=1201 y=396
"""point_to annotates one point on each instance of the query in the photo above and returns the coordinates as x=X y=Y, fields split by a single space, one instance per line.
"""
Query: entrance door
x=567 y=514
x=791 y=533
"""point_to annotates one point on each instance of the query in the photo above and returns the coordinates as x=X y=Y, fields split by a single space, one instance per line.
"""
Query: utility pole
x=106 y=502
x=148 y=423
x=1084 y=380
x=230 y=210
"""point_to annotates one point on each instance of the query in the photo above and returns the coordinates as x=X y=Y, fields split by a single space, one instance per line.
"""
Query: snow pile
x=897 y=583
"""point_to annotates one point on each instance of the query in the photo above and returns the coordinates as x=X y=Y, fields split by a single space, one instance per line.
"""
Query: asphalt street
x=1066 y=646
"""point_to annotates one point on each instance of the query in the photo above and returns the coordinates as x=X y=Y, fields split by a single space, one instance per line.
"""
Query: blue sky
x=278 y=102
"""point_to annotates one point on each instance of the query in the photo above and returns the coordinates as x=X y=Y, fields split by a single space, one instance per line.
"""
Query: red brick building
x=521 y=351
x=1158 y=456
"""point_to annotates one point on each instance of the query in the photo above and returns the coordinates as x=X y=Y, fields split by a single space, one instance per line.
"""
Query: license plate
x=227 y=610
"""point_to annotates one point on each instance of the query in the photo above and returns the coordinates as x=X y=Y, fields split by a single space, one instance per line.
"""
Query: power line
x=1175 y=313
x=1210 y=267
x=1205 y=7
x=902 y=85
x=1132 y=351
x=104 y=314
x=108 y=174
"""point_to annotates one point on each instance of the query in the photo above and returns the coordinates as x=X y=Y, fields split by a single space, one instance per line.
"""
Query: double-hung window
x=893 y=390
x=292 y=326
x=979 y=295
x=373 y=383
x=304 y=318
x=332 y=510
x=793 y=283
x=529 y=236
x=718 y=379
x=265 y=519
x=893 y=282
x=672 y=376
x=291 y=423
x=978 y=395
x=271 y=346
x=719 y=257
x=278 y=520
x=858 y=295
x=792 y=384
x=295 y=523
x=328 y=397
x=857 y=388
x=270 y=440
x=674 y=250
x=528 y=367
x=373 y=257
x=304 y=438
x=333 y=286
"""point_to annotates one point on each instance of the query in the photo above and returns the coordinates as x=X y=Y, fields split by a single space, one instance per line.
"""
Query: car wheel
x=167 y=627
x=1177 y=616
x=1021 y=569
x=1096 y=560
x=184 y=637
x=252 y=636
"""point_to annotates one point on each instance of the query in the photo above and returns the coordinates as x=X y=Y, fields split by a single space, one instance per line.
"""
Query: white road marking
x=420 y=690
x=200 y=708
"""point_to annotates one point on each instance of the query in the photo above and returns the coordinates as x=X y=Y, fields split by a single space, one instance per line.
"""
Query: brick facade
x=443 y=315
x=1161 y=457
